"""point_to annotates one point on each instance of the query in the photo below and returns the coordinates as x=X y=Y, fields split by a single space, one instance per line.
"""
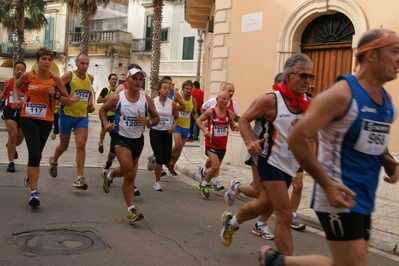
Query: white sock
x=130 y=208
x=204 y=183
x=234 y=223
x=294 y=215
x=260 y=223
x=109 y=176
x=215 y=179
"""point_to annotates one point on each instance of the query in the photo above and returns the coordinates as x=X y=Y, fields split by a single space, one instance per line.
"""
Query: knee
x=285 y=216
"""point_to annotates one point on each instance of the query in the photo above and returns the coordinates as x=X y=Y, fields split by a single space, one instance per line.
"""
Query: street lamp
x=200 y=41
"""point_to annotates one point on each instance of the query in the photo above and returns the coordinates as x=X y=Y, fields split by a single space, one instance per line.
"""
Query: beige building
x=247 y=42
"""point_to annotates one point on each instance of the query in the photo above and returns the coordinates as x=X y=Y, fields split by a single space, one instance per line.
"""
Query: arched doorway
x=327 y=40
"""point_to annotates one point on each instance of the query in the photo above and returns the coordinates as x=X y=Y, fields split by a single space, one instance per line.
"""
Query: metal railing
x=7 y=48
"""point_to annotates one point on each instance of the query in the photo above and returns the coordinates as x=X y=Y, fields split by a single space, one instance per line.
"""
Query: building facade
x=247 y=42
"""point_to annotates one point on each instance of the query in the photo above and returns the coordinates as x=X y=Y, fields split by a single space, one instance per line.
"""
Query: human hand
x=339 y=195
x=75 y=98
x=51 y=90
x=91 y=108
x=206 y=134
x=109 y=127
x=391 y=167
x=255 y=147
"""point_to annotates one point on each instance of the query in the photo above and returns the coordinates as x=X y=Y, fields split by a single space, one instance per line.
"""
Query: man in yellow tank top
x=74 y=117
x=180 y=135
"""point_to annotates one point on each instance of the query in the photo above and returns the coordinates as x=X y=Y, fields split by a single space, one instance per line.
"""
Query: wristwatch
x=57 y=96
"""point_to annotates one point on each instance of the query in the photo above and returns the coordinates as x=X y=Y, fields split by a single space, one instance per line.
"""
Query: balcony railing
x=107 y=36
x=7 y=48
x=142 y=45
x=178 y=67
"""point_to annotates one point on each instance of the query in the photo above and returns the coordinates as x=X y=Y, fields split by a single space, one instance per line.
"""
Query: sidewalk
x=385 y=223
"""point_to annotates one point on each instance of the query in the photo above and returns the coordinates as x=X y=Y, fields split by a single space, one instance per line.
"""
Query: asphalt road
x=179 y=226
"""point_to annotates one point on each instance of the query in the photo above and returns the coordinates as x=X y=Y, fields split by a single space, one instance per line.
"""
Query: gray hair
x=294 y=61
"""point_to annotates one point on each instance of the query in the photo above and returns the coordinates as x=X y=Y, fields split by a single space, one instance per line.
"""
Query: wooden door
x=329 y=61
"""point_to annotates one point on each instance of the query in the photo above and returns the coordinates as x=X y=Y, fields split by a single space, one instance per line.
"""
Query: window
x=165 y=35
x=188 y=48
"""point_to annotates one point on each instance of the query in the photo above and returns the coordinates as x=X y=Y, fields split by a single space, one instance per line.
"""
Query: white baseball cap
x=134 y=71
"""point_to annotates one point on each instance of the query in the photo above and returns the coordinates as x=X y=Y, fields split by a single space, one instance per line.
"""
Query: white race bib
x=84 y=95
x=373 y=138
x=36 y=109
x=130 y=123
x=220 y=131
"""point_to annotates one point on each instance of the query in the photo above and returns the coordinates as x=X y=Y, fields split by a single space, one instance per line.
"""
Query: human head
x=297 y=73
x=229 y=88
x=187 y=86
x=112 y=79
x=44 y=51
x=222 y=99
x=374 y=39
x=133 y=66
x=167 y=79
x=82 y=63
x=278 y=78
x=163 y=88
x=196 y=84
x=19 y=69
x=135 y=78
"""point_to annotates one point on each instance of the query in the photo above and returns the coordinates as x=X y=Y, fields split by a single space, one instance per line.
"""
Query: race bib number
x=130 y=122
x=220 y=131
x=84 y=95
x=373 y=138
x=184 y=114
x=163 y=121
x=285 y=151
x=11 y=98
x=36 y=109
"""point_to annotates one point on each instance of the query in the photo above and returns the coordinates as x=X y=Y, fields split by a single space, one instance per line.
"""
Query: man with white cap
x=133 y=110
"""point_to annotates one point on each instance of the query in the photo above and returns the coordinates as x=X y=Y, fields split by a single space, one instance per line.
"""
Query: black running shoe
x=11 y=167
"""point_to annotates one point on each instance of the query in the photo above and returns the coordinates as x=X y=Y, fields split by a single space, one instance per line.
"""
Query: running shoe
x=230 y=194
x=136 y=192
x=262 y=231
x=171 y=169
x=100 y=148
x=217 y=186
x=26 y=181
x=107 y=183
x=133 y=215
x=268 y=255
x=53 y=167
x=296 y=225
x=157 y=186
x=106 y=166
x=150 y=164
x=34 y=199
x=226 y=235
x=80 y=183
x=202 y=170
x=11 y=167
x=204 y=189
x=53 y=136
x=163 y=173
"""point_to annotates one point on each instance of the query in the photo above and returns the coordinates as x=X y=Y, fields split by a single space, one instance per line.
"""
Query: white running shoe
x=202 y=170
x=157 y=186
x=217 y=186
x=230 y=194
x=262 y=231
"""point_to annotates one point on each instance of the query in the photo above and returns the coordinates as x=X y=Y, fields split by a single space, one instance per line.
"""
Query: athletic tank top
x=165 y=114
x=351 y=148
x=38 y=103
x=218 y=128
x=184 y=116
x=126 y=115
x=81 y=87
x=9 y=93
x=275 y=150
x=109 y=93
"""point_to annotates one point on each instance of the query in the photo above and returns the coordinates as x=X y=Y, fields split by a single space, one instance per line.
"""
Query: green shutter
x=188 y=48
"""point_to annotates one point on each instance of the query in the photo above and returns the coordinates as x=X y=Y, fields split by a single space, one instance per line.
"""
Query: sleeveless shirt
x=165 y=114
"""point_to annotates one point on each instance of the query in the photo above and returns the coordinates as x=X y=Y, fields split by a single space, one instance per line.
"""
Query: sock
x=234 y=223
x=32 y=192
x=12 y=161
x=294 y=215
x=109 y=177
x=130 y=208
x=260 y=223
x=215 y=179
x=204 y=183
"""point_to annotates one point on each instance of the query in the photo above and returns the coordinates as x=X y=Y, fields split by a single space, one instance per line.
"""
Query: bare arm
x=180 y=101
x=120 y=88
x=175 y=116
x=17 y=104
x=204 y=117
x=108 y=106
x=3 y=92
x=64 y=94
x=153 y=113
x=233 y=125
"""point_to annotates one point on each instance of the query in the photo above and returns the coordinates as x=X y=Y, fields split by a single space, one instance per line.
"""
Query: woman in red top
x=11 y=116
x=37 y=112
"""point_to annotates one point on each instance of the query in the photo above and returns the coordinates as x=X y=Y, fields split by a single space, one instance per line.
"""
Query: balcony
x=142 y=46
x=102 y=42
x=178 y=68
x=6 y=48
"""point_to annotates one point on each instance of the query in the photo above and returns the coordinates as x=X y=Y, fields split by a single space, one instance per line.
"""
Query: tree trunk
x=156 y=43
x=84 y=45
x=20 y=52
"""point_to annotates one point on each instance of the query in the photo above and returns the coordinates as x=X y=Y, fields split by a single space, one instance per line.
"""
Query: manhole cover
x=58 y=242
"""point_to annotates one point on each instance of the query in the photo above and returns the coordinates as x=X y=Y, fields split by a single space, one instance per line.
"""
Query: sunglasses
x=304 y=76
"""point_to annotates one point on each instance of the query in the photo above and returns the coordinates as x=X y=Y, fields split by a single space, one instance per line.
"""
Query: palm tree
x=18 y=15
x=87 y=10
x=156 y=39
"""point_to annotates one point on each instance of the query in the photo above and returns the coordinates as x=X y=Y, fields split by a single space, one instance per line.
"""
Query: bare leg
x=80 y=140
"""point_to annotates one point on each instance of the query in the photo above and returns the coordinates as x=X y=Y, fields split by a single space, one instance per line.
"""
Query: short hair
x=19 y=63
x=369 y=36
x=111 y=75
x=196 y=84
x=80 y=55
x=227 y=84
x=187 y=83
x=160 y=83
x=279 y=78
x=133 y=66
x=294 y=61
x=166 y=78
x=44 y=51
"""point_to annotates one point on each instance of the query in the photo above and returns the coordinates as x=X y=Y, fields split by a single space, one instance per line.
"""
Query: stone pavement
x=385 y=224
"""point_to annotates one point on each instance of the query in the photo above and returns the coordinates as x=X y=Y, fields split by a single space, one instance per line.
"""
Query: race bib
x=163 y=121
x=130 y=123
x=11 y=98
x=184 y=114
x=36 y=109
x=373 y=138
x=84 y=94
x=220 y=131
